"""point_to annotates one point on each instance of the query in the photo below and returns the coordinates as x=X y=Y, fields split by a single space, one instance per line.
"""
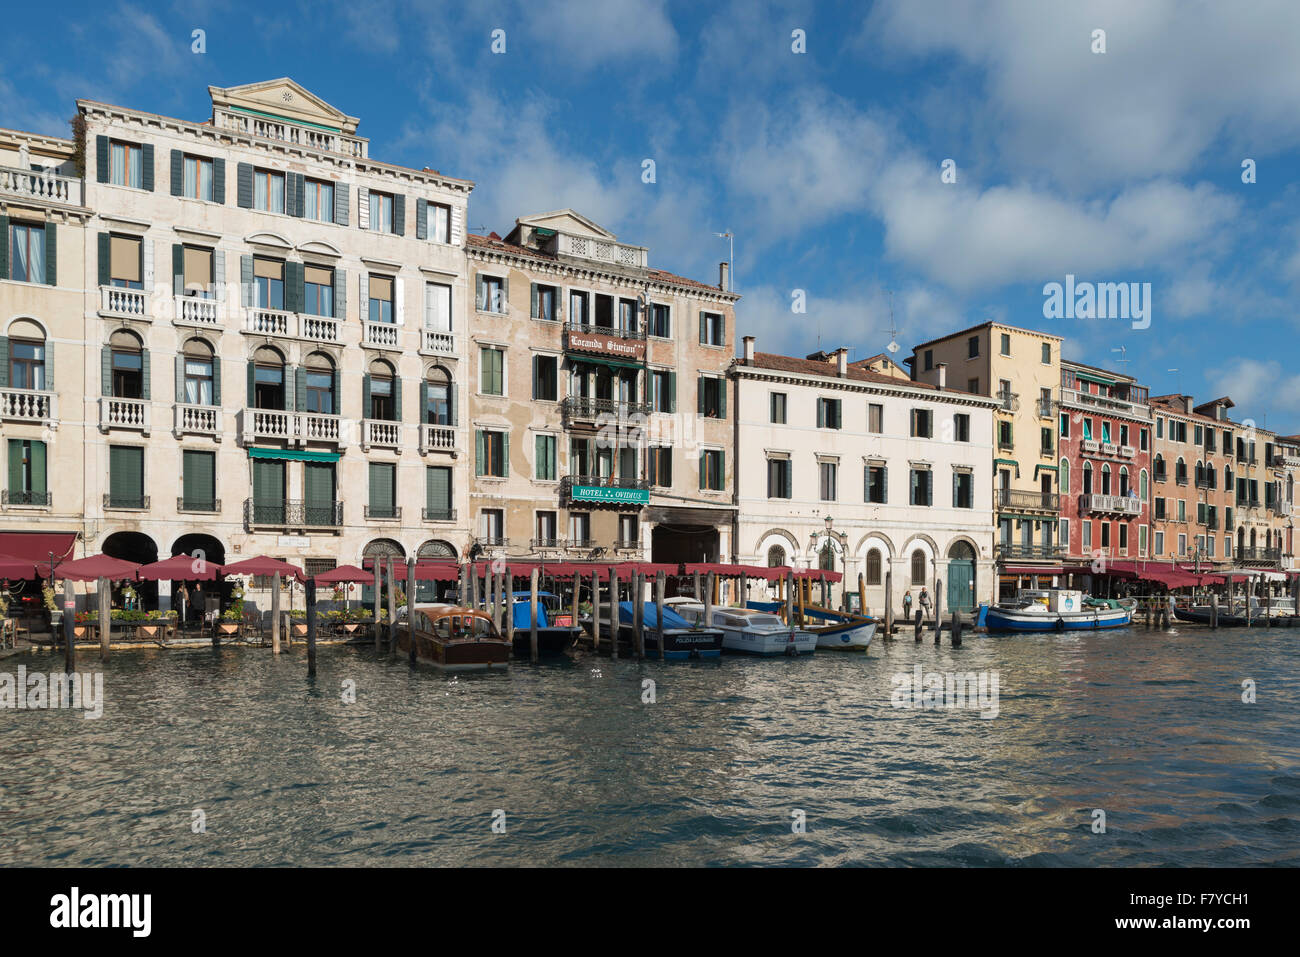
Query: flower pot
x=351 y=627
x=151 y=631
x=228 y=627
x=82 y=631
x=298 y=629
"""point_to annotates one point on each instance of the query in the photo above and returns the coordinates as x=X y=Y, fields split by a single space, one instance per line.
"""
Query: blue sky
x=1115 y=166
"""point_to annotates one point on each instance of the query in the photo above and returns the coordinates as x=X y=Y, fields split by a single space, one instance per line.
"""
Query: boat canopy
x=519 y=611
x=627 y=614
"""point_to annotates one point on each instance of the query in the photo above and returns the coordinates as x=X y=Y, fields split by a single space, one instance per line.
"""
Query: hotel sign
x=618 y=496
x=611 y=346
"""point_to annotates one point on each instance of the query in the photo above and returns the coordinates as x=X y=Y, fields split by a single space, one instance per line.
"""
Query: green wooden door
x=318 y=489
x=961 y=585
x=268 y=492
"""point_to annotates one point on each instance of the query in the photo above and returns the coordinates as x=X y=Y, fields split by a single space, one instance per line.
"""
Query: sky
x=819 y=135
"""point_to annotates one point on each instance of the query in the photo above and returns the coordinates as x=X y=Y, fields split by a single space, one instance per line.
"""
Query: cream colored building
x=274 y=330
x=1021 y=369
x=899 y=468
x=597 y=398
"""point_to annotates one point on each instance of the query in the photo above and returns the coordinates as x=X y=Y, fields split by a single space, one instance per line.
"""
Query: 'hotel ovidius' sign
x=618 y=496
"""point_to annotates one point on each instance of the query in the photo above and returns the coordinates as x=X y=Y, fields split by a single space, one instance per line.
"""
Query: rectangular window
x=928 y=359
x=961 y=427
x=827 y=481
x=922 y=488
x=381 y=212
x=492 y=460
x=439 y=222
x=491 y=370
x=1047 y=354
x=546 y=526
x=381 y=299
x=27 y=473
x=711 y=329
x=544 y=458
x=197 y=266
x=711 y=474
x=545 y=378
x=628 y=529
x=1160 y=543
x=437 y=492
x=876 y=480
x=580 y=529
x=318 y=200
x=713 y=397
x=126 y=477
x=661 y=465
x=268 y=191
x=1123 y=537
x=973 y=385
x=828 y=413
x=973 y=347
x=126 y=164
x=922 y=423
x=198 y=481
x=437 y=307
x=318 y=288
x=777 y=401
x=963 y=490
x=268 y=275
x=1005 y=436
x=1105 y=534
x=579 y=309
x=548 y=298
x=875 y=418
x=1182 y=545
x=1006 y=344
x=198 y=178
x=491 y=296
x=1086 y=541
x=492 y=524
x=661 y=399
x=1065 y=425
x=778 y=478
x=27 y=253
x=627 y=315
x=661 y=321
x=1045 y=442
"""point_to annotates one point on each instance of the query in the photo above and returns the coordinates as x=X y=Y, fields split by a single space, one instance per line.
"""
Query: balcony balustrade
x=196 y=420
x=42 y=185
x=115 y=413
x=615 y=332
x=30 y=405
x=1030 y=499
x=196 y=311
x=137 y=503
x=127 y=303
x=1017 y=550
x=435 y=342
x=269 y=322
x=292 y=514
x=576 y=408
x=198 y=505
x=319 y=328
x=437 y=438
x=1118 y=504
x=382 y=335
x=381 y=434
x=25 y=498
x=383 y=513
x=292 y=427
x=438 y=514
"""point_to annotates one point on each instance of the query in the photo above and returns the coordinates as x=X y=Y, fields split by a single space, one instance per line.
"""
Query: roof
x=658 y=275
x=1118 y=376
x=777 y=363
x=985 y=325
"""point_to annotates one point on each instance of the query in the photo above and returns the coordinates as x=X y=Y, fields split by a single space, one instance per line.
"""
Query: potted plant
x=152 y=624
x=298 y=623
x=84 y=624
x=52 y=609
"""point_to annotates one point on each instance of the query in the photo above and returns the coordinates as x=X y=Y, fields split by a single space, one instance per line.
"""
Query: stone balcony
x=33 y=406
x=436 y=343
x=119 y=302
x=128 y=414
x=196 y=311
x=379 y=433
x=295 y=428
x=1113 y=504
x=381 y=335
x=40 y=185
x=437 y=438
x=197 y=420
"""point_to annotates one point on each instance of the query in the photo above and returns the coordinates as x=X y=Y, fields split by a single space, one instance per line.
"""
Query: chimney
x=943 y=375
x=1187 y=404
x=724 y=276
x=749 y=349
x=842 y=362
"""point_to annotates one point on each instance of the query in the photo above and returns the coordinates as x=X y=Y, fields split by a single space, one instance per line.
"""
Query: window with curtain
x=197 y=276
x=198 y=178
x=381 y=212
x=268 y=191
x=126 y=164
x=381 y=298
x=268 y=274
x=439 y=222
x=319 y=381
x=318 y=290
x=437 y=402
x=437 y=307
x=318 y=200
x=27 y=363
x=125 y=262
x=198 y=374
x=26 y=253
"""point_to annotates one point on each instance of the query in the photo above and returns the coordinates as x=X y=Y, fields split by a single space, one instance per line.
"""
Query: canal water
x=578 y=767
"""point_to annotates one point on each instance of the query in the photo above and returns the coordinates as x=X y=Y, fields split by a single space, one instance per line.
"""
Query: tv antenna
x=1123 y=354
x=893 y=332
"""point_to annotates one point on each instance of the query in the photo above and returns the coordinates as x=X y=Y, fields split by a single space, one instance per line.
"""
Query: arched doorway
x=961 y=577
x=381 y=549
x=434 y=550
x=139 y=548
x=198 y=593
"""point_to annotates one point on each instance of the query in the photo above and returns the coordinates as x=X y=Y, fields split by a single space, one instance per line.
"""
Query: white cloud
x=583 y=34
x=1258 y=387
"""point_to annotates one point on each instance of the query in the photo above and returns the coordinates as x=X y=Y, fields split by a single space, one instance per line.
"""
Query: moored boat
x=681 y=638
x=842 y=631
x=1054 y=609
x=453 y=638
x=556 y=629
x=748 y=630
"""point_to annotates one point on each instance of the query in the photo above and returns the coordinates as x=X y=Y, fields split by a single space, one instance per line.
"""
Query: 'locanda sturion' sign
x=607 y=345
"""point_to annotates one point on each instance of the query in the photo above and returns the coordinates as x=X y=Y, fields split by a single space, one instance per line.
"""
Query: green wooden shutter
x=300 y=388
x=365 y=396
x=478 y=452
x=219 y=181
x=177 y=172
x=244 y=185
x=532 y=299
x=126 y=474
x=722 y=398
x=438 y=487
x=294 y=293
x=421 y=229
x=178 y=269
x=145 y=376
x=956 y=476
x=105 y=263
x=146 y=178
x=479 y=302
x=672 y=392
x=4 y=361
x=101 y=159
x=51 y=256
x=703 y=480
x=699 y=395
x=106 y=370
x=216 y=379
x=451 y=403
x=821 y=414
x=539 y=457
x=199 y=484
x=336 y=392
x=318 y=483
x=702 y=327
x=422 y=411
x=884 y=484
x=381 y=487
x=505 y=454
x=4 y=246
x=16 y=465
x=340 y=294
x=247 y=287
x=290 y=389
x=399 y=214
x=397 y=398
x=252 y=384
x=180 y=377
x=38 y=454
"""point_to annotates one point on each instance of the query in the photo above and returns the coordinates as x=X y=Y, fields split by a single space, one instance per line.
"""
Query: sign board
x=611 y=346
x=619 y=496
x=293 y=541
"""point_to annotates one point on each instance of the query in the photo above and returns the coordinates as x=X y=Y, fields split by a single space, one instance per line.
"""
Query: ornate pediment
x=283 y=99
x=567 y=221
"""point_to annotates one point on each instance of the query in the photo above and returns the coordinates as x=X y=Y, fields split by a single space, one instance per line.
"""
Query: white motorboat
x=748 y=630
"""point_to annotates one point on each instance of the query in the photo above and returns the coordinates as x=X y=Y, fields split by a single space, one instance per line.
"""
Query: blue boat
x=556 y=629
x=680 y=638
x=1056 y=609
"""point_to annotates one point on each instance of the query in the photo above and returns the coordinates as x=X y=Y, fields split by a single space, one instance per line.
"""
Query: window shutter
x=699 y=395
x=146 y=178
x=539 y=456
x=342 y=203
x=399 y=300
x=399 y=214
x=789 y=481
x=702 y=461
x=421 y=227
x=244 y=185
x=336 y=391
x=51 y=256
x=672 y=392
x=424 y=400
x=702 y=334
x=15 y=465
x=4 y=362
x=291 y=394
x=145 y=375
x=146 y=254
x=38 y=467
x=252 y=387
x=219 y=181
x=451 y=402
x=363 y=299
x=178 y=269
x=178 y=172
x=365 y=396
x=363 y=207
x=478 y=451
x=4 y=245
x=505 y=453
x=299 y=194
x=397 y=398
x=821 y=414
x=340 y=294
x=884 y=484
x=722 y=398
x=101 y=159
x=532 y=299
x=955 y=481
x=293 y=287
x=480 y=302
x=722 y=469
x=180 y=378
x=300 y=388
x=216 y=379
x=505 y=295
x=247 y=288
x=104 y=262
x=457 y=225
x=106 y=370
x=219 y=274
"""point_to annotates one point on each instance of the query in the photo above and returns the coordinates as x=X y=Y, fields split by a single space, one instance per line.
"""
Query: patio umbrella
x=345 y=574
x=181 y=568
x=97 y=566
x=261 y=565
x=16 y=568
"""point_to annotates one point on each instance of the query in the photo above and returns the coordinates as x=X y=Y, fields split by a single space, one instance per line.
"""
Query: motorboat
x=1054 y=609
x=556 y=629
x=838 y=631
x=454 y=638
x=681 y=638
x=747 y=630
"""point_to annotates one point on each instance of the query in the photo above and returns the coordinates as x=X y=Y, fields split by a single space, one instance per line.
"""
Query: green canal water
x=1148 y=727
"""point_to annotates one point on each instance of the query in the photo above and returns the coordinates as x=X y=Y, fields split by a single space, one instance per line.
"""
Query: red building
x=1104 y=465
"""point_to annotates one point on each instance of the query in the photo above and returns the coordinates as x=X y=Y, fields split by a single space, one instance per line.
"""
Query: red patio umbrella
x=94 y=567
x=345 y=574
x=181 y=568
x=436 y=571
x=16 y=568
x=261 y=565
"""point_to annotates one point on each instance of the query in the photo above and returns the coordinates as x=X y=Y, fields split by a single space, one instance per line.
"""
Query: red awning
x=1169 y=577
x=181 y=568
x=435 y=571
x=817 y=574
x=95 y=567
x=1032 y=570
x=36 y=547
x=17 y=569
x=345 y=574
x=261 y=565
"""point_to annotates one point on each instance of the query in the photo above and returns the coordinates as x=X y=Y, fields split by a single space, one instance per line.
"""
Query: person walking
x=907 y=605
x=927 y=606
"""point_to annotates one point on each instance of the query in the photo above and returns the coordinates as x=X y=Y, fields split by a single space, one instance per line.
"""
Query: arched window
x=918 y=567
x=1087 y=478
x=437 y=405
x=1105 y=479
x=1159 y=468
x=1123 y=480
x=268 y=379
x=1200 y=474
x=319 y=383
x=199 y=380
x=874 y=574
x=26 y=355
x=382 y=392
x=1211 y=476
x=775 y=556
x=1142 y=483
x=126 y=365
x=435 y=550
x=1227 y=478
x=1064 y=476
x=1180 y=471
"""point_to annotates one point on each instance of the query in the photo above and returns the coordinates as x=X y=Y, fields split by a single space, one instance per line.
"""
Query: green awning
x=294 y=455
x=1100 y=380
x=1045 y=468
x=1012 y=462
x=601 y=361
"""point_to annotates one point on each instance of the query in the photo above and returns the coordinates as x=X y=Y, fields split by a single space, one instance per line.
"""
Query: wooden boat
x=842 y=631
x=680 y=637
x=748 y=630
x=1053 y=609
x=454 y=639
x=556 y=629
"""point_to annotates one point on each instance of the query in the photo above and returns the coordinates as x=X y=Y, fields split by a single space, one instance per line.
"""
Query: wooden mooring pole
x=889 y=604
x=532 y=616
x=391 y=581
x=275 y=613
x=311 y=626
x=613 y=611
x=105 y=618
x=638 y=613
x=69 y=620
x=1214 y=610
x=660 y=584
x=379 y=596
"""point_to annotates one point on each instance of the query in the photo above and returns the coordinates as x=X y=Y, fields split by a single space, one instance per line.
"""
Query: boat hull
x=456 y=655
x=773 y=645
x=848 y=636
x=1005 y=620
x=552 y=640
x=1236 y=621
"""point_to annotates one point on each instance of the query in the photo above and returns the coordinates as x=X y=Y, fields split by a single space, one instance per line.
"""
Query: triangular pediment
x=283 y=98
x=567 y=221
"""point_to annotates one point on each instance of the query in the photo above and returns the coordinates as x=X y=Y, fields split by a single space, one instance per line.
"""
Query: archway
x=200 y=597
x=139 y=548
x=434 y=550
x=961 y=577
x=380 y=549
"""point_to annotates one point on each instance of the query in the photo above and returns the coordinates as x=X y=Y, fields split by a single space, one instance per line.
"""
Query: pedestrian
x=907 y=605
x=926 y=604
